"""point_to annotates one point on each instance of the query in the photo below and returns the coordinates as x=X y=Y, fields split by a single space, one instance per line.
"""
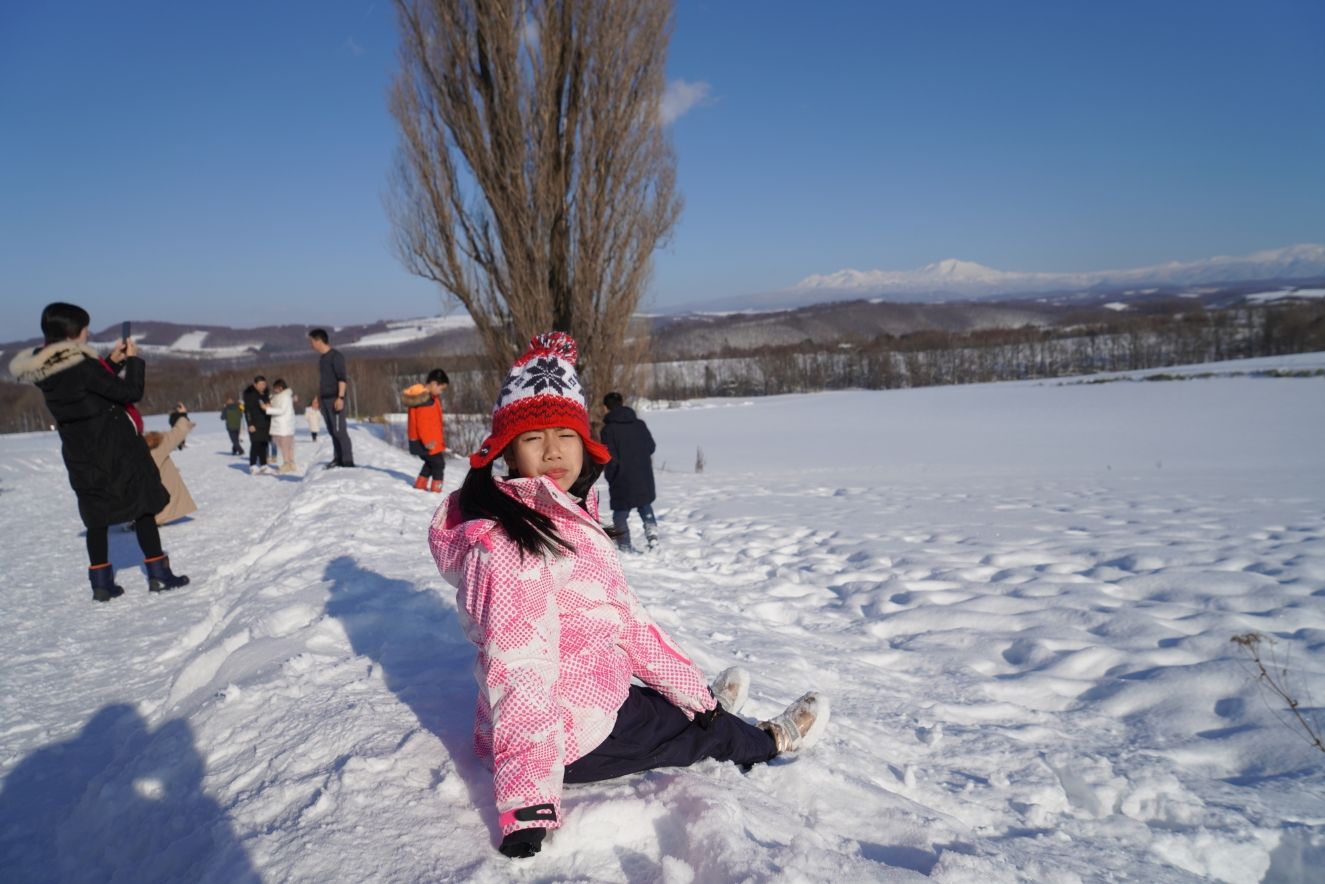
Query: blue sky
x=224 y=163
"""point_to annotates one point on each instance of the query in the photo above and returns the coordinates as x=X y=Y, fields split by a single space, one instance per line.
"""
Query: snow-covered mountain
x=958 y=280
x=968 y=279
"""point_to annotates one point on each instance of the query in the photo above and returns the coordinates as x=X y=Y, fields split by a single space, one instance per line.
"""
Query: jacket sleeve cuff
x=543 y=816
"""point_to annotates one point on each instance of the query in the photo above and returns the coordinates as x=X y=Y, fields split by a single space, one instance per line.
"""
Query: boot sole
x=103 y=595
x=158 y=586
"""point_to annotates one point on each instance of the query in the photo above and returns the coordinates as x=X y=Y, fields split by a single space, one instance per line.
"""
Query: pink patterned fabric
x=558 y=641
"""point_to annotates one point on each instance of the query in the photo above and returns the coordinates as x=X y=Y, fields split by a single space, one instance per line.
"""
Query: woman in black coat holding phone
x=110 y=466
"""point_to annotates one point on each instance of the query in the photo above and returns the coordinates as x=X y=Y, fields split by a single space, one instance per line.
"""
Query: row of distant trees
x=930 y=358
x=885 y=362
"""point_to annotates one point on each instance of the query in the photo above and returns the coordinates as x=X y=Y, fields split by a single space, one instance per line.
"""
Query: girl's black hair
x=61 y=321
x=437 y=375
x=533 y=532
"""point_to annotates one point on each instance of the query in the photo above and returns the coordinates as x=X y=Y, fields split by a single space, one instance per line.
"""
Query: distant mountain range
x=965 y=280
x=956 y=296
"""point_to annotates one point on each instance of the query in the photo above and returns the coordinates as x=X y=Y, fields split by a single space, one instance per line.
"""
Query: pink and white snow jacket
x=558 y=641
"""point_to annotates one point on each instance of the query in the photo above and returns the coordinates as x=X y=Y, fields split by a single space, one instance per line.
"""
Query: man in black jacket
x=110 y=466
x=332 y=384
x=630 y=471
x=259 y=425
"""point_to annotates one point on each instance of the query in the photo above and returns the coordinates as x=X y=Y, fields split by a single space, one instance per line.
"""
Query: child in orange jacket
x=426 y=435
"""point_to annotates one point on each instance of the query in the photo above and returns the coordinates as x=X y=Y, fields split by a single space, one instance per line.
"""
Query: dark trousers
x=433 y=466
x=235 y=447
x=621 y=524
x=338 y=430
x=650 y=732
x=620 y=517
x=149 y=540
x=257 y=447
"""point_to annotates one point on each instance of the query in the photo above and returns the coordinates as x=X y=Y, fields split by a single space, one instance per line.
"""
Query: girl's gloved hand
x=705 y=719
x=523 y=843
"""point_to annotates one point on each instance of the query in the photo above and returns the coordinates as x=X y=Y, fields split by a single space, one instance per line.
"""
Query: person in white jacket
x=281 y=412
x=313 y=417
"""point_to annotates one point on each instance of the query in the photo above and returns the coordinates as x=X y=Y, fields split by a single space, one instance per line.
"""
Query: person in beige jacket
x=162 y=444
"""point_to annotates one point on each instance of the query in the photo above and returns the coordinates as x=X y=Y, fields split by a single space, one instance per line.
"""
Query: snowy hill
x=1019 y=596
x=169 y=341
x=954 y=279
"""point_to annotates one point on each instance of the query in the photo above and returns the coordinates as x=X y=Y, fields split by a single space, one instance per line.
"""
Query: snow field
x=1022 y=621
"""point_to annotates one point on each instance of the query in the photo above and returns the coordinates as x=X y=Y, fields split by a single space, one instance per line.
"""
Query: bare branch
x=534 y=177
x=1274 y=680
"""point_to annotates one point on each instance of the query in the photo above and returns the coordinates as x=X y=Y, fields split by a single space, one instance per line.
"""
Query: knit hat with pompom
x=541 y=390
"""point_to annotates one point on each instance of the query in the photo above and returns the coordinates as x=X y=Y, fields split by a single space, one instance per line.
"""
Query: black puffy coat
x=630 y=471
x=110 y=466
x=254 y=416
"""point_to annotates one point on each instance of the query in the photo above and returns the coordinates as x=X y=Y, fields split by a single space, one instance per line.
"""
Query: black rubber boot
x=159 y=576
x=103 y=583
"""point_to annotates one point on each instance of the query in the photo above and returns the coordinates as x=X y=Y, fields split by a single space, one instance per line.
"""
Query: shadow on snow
x=425 y=658
x=118 y=802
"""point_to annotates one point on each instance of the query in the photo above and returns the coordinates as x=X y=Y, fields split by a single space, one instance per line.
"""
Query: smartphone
x=124 y=330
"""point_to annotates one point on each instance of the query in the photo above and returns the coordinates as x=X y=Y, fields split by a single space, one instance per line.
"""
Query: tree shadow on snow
x=117 y=802
x=425 y=658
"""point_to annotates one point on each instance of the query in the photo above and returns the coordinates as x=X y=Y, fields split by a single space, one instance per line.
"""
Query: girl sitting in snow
x=559 y=633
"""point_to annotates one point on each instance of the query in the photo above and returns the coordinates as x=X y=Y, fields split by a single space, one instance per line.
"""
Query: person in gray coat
x=630 y=471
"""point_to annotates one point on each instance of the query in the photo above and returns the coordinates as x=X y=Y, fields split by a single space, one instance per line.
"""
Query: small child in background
x=311 y=415
x=427 y=438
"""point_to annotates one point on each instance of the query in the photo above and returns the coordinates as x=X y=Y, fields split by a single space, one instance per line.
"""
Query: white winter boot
x=801 y=725
x=730 y=689
x=651 y=535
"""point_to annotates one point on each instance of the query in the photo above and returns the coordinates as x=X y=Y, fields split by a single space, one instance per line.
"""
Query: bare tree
x=534 y=176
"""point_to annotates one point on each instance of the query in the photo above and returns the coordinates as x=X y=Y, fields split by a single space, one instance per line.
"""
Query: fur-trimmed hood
x=39 y=363
x=413 y=397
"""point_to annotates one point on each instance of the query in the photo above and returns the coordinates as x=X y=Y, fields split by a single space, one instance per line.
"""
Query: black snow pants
x=338 y=430
x=650 y=732
x=235 y=447
x=257 y=448
x=149 y=540
x=434 y=465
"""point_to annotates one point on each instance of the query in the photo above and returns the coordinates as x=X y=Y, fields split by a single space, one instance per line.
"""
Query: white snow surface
x=412 y=330
x=1018 y=596
x=190 y=341
x=1285 y=294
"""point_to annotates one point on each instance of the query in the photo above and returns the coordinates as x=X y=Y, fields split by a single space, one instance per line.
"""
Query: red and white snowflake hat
x=541 y=390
